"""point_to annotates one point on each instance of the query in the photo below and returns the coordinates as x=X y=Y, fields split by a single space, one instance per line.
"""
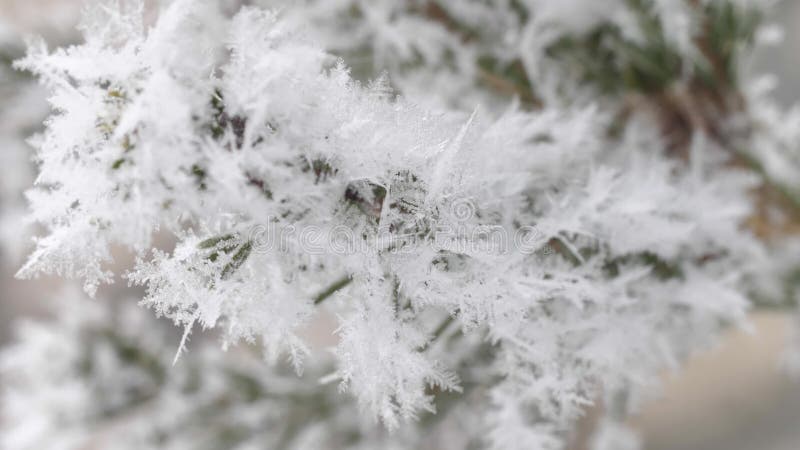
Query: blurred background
x=734 y=397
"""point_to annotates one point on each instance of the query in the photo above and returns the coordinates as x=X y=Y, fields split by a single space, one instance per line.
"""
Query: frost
x=381 y=362
x=587 y=234
x=109 y=383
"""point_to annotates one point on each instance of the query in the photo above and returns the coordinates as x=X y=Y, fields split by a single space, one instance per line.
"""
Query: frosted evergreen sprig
x=531 y=256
